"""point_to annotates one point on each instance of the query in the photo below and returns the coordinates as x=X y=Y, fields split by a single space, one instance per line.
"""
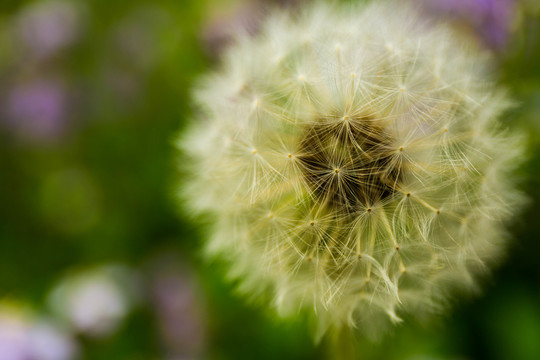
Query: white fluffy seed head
x=354 y=163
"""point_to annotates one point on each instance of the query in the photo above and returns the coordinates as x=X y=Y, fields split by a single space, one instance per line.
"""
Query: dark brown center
x=349 y=162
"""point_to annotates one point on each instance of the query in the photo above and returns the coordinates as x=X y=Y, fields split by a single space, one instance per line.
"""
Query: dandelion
x=354 y=163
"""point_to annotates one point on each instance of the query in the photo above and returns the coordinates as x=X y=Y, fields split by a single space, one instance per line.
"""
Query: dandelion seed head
x=368 y=179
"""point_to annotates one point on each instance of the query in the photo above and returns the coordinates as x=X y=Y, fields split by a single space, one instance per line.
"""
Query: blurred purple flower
x=37 y=109
x=246 y=16
x=177 y=302
x=24 y=338
x=219 y=32
x=490 y=19
x=13 y=342
x=46 y=27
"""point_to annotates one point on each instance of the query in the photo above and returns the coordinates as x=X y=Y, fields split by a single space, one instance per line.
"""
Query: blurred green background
x=92 y=97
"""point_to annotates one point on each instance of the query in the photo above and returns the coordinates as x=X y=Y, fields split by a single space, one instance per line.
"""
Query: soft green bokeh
x=104 y=190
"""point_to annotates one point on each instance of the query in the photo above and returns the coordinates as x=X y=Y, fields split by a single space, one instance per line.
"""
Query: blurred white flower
x=95 y=302
x=47 y=342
